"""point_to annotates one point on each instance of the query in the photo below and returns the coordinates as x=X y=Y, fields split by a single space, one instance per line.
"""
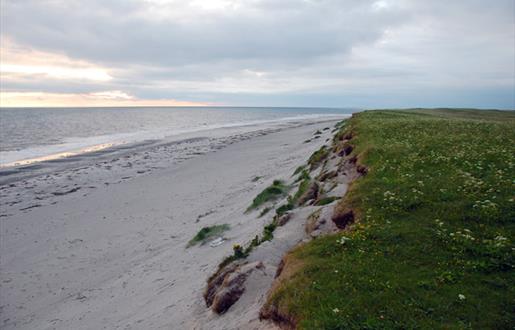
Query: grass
x=318 y=157
x=433 y=244
x=284 y=208
x=207 y=233
x=299 y=170
x=264 y=211
x=238 y=253
x=303 y=187
x=273 y=192
x=304 y=174
x=326 y=200
x=341 y=123
x=268 y=232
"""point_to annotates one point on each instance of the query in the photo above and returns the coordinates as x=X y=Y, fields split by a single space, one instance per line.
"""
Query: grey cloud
x=113 y=32
x=327 y=51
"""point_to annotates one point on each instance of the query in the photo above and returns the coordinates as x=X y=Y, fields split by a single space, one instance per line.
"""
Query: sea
x=31 y=135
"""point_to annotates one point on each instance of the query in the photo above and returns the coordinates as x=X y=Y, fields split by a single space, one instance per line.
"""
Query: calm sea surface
x=37 y=132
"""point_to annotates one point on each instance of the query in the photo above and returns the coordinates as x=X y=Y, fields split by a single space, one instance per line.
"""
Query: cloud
x=182 y=32
x=229 y=51
x=103 y=99
x=18 y=62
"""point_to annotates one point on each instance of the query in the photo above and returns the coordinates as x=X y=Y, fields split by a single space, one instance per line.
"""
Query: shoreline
x=78 y=146
x=39 y=183
x=115 y=256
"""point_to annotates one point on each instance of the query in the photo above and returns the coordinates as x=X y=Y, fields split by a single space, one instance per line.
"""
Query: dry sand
x=114 y=256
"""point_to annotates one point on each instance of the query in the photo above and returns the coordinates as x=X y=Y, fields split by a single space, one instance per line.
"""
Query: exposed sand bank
x=114 y=256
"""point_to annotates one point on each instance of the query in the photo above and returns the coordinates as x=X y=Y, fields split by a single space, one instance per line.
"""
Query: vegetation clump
x=268 y=232
x=273 y=192
x=238 y=253
x=284 y=208
x=264 y=211
x=256 y=178
x=298 y=170
x=206 y=233
x=433 y=235
x=341 y=124
x=318 y=157
x=326 y=200
x=303 y=187
x=304 y=175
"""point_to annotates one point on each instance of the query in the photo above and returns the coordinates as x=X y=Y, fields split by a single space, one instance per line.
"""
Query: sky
x=312 y=53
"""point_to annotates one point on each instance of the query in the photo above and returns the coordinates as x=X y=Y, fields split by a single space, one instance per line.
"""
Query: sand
x=101 y=249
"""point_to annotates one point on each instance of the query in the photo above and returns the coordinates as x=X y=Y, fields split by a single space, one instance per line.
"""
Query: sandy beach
x=94 y=248
x=257 y=165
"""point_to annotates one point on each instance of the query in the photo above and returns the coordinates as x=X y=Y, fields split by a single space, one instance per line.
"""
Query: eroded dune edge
x=301 y=207
x=420 y=236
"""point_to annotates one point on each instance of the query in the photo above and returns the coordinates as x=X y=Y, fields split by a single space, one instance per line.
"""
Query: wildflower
x=342 y=240
x=336 y=310
x=461 y=296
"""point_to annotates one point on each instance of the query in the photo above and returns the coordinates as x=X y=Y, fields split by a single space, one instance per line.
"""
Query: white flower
x=461 y=296
x=336 y=310
x=342 y=240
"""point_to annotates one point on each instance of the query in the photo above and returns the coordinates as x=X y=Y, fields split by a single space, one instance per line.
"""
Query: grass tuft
x=303 y=187
x=298 y=170
x=318 y=157
x=304 y=175
x=207 y=233
x=264 y=211
x=268 y=232
x=326 y=200
x=273 y=192
x=284 y=208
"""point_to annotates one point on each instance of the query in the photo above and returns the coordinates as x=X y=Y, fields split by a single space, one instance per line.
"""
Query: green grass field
x=432 y=247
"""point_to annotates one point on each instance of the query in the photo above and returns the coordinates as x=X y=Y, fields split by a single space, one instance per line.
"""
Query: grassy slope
x=433 y=246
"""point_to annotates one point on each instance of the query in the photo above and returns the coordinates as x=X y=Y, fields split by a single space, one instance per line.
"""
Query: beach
x=89 y=246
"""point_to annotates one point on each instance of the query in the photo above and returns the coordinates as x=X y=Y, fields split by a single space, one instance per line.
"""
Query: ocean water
x=29 y=135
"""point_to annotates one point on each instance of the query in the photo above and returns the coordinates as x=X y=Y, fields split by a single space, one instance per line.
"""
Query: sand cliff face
x=315 y=212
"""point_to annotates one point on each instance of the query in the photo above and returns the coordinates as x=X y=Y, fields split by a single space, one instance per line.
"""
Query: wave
x=76 y=146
